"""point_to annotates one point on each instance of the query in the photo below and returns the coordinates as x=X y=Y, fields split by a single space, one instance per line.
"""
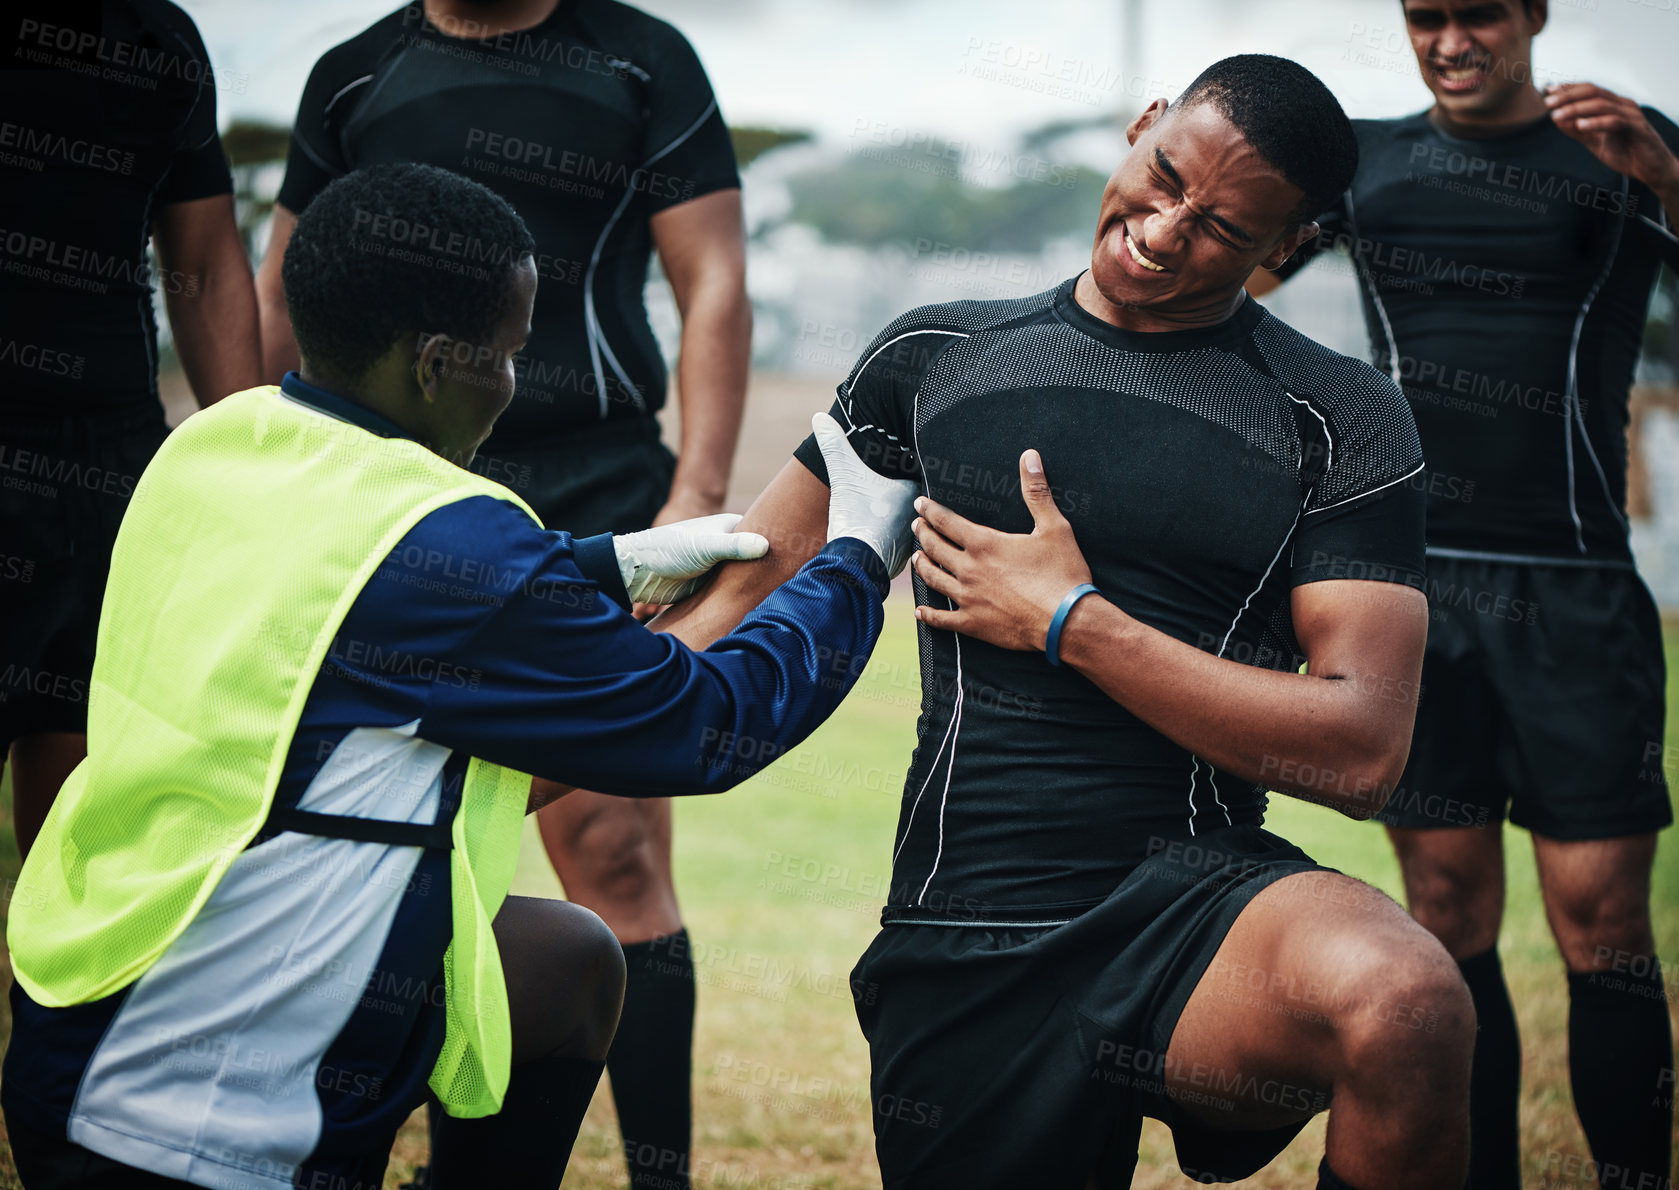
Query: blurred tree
x=900 y=196
x=752 y=143
x=254 y=148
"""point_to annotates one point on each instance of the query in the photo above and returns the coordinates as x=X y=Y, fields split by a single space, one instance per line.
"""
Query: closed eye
x=1205 y=221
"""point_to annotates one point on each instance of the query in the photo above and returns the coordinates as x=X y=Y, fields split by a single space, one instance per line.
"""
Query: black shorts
x=1543 y=696
x=64 y=486
x=610 y=478
x=1007 y=1055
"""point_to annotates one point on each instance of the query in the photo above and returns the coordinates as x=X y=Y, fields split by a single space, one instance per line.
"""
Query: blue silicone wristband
x=1052 y=643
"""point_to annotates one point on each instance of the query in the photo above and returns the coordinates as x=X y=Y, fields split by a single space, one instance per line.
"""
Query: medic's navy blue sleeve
x=487 y=629
x=598 y=562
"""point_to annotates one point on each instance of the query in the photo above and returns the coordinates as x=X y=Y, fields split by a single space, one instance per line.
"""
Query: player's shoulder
x=166 y=16
x=1347 y=390
x=969 y=316
x=1376 y=134
x=492 y=532
x=627 y=30
x=355 y=56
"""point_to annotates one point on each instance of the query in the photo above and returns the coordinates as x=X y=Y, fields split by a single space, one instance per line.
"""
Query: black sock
x=1495 y=1081
x=1328 y=1179
x=651 y=1062
x=1620 y=1065
x=527 y=1143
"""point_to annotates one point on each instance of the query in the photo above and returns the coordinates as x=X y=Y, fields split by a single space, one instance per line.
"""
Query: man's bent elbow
x=1373 y=783
x=1358 y=787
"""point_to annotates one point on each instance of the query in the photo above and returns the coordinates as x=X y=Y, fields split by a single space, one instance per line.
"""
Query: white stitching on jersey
x=340 y=92
x=1222 y=645
x=1572 y=393
x=1328 y=436
x=591 y=321
x=870 y=426
x=591 y=324
x=1194 y=768
x=1532 y=559
x=950 y=768
x=845 y=396
x=692 y=128
x=1195 y=761
x=931 y=769
x=1369 y=491
x=955 y=728
x=1375 y=296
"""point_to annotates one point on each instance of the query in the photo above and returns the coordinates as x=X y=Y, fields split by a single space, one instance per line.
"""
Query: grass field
x=781 y=883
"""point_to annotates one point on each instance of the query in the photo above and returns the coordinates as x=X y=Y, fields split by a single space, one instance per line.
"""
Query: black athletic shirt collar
x=1466 y=136
x=344 y=409
x=563 y=9
x=1234 y=328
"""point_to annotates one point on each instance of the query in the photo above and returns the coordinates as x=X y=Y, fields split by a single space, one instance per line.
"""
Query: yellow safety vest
x=246 y=542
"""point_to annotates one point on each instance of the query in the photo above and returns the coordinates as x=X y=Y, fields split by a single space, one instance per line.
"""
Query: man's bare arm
x=1337 y=734
x=279 y=349
x=792 y=512
x=207 y=291
x=702 y=247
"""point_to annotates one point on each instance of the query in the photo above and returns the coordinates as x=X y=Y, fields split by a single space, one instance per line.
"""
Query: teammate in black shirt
x=1505 y=243
x=107 y=141
x=1087 y=922
x=596 y=121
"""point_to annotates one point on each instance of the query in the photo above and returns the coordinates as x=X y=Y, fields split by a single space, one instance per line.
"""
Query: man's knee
x=613 y=850
x=1458 y=900
x=555 y=947
x=598 y=952
x=1594 y=929
x=1408 y=1016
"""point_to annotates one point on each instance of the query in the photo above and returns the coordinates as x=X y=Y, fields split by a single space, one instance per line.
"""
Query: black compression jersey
x=104 y=117
x=1505 y=282
x=1205 y=473
x=589 y=124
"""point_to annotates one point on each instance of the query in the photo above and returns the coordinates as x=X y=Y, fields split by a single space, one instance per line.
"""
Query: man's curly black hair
x=1286 y=113
x=394 y=250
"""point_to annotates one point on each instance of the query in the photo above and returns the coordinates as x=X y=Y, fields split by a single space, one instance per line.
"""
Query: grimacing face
x=1189 y=213
x=1475 y=55
x=468 y=385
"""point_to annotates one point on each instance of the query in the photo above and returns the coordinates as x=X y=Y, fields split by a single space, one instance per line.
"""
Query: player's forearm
x=279 y=348
x=215 y=328
x=711 y=385
x=1336 y=739
x=792 y=514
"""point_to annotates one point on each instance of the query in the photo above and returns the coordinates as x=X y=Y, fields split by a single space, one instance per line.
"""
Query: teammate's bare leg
x=1385 y=1032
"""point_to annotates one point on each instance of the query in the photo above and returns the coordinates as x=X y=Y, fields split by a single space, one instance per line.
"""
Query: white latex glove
x=861 y=504
x=666 y=564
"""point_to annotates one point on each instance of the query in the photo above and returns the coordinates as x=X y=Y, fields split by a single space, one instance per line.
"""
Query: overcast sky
x=985 y=70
